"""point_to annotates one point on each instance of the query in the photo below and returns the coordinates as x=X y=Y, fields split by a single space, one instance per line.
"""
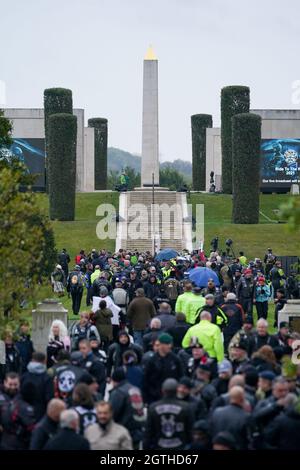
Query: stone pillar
x=150 y=155
x=291 y=314
x=42 y=318
x=100 y=152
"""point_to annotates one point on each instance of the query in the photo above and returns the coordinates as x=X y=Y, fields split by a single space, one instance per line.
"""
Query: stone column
x=42 y=318
x=100 y=151
x=150 y=155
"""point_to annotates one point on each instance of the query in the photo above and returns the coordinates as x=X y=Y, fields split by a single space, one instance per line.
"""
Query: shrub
x=62 y=165
x=56 y=100
x=234 y=100
x=246 y=139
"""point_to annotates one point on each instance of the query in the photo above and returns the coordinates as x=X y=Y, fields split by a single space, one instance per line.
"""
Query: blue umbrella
x=200 y=276
x=166 y=254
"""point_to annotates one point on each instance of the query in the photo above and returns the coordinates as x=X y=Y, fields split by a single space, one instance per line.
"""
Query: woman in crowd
x=58 y=339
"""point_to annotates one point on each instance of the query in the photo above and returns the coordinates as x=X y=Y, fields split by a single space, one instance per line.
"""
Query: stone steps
x=167 y=225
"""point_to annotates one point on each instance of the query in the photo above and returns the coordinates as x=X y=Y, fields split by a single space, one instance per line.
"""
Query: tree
x=234 y=100
x=133 y=176
x=290 y=211
x=200 y=122
x=100 y=153
x=5 y=131
x=56 y=100
x=113 y=179
x=26 y=244
x=171 y=178
x=246 y=139
x=62 y=133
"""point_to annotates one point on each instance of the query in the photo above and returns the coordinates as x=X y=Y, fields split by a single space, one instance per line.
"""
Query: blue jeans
x=138 y=337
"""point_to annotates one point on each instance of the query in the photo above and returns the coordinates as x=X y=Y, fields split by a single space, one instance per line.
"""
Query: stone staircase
x=141 y=221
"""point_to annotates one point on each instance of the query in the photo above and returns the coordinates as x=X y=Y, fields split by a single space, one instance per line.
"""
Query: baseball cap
x=165 y=338
x=224 y=366
x=209 y=296
x=186 y=381
x=231 y=296
x=267 y=375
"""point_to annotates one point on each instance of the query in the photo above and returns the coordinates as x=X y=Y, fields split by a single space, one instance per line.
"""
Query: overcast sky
x=96 y=48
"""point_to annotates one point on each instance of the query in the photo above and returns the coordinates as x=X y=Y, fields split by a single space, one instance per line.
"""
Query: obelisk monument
x=150 y=156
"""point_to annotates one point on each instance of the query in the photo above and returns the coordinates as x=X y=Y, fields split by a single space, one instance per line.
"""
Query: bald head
x=54 y=409
x=205 y=315
x=237 y=395
x=236 y=380
x=165 y=308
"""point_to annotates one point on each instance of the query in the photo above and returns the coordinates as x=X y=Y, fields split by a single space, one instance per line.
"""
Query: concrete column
x=100 y=151
x=150 y=155
x=89 y=162
x=42 y=317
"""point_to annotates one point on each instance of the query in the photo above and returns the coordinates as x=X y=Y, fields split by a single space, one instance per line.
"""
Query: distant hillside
x=182 y=166
x=119 y=159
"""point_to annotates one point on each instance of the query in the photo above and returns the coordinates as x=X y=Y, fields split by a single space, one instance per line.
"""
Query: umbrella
x=200 y=276
x=166 y=254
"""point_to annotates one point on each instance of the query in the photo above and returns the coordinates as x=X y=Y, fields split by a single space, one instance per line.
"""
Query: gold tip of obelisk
x=150 y=54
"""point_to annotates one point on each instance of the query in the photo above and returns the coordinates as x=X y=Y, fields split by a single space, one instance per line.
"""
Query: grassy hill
x=253 y=239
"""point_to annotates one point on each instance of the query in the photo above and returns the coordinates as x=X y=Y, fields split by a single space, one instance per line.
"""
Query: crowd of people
x=156 y=361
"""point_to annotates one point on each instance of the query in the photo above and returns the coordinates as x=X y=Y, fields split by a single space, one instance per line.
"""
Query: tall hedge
x=100 y=155
x=56 y=100
x=62 y=134
x=234 y=100
x=246 y=140
x=200 y=122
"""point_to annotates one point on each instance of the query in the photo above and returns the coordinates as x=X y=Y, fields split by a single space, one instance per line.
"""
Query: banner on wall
x=32 y=153
x=280 y=163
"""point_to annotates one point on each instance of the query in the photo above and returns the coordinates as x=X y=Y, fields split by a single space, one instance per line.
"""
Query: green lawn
x=252 y=239
x=81 y=233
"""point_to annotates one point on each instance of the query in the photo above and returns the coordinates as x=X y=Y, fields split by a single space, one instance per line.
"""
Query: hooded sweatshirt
x=39 y=386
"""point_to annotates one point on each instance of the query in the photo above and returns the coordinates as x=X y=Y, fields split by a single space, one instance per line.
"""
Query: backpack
x=81 y=334
x=135 y=401
x=65 y=381
x=270 y=258
x=86 y=417
x=171 y=289
x=76 y=280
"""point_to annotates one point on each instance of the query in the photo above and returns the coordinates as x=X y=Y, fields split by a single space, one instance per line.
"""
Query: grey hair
x=68 y=417
x=205 y=315
x=262 y=321
x=155 y=323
